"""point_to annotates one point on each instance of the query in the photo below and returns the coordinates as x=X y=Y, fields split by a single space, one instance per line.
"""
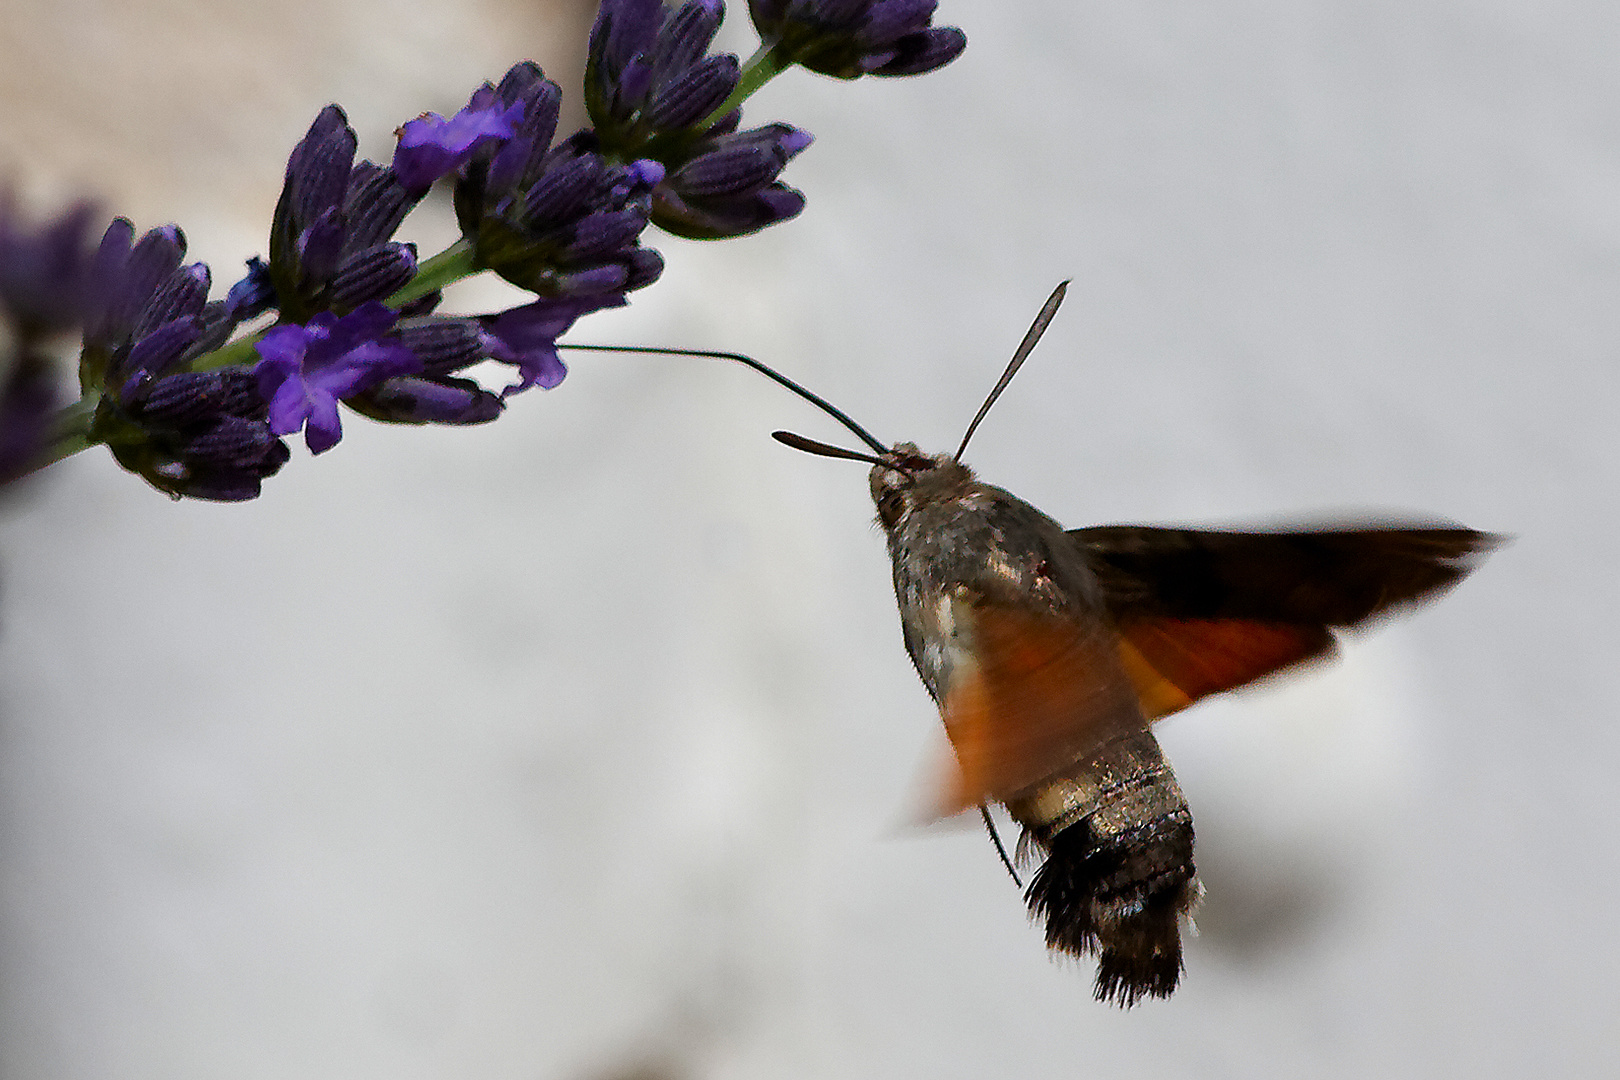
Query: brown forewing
x=1201 y=611
x=1335 y=577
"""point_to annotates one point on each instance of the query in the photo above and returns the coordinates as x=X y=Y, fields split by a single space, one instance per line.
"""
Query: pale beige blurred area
x=160 y=107
x=578 y=746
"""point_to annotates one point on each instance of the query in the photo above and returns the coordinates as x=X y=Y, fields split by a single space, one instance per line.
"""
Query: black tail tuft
x=1120 y=896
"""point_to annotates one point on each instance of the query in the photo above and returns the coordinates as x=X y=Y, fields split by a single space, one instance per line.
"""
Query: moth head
x=904 y=478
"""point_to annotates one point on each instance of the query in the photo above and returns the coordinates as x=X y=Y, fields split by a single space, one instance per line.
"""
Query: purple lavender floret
x=202 y=434
x=152 y=309
x=412 y=399
x=329 y=248
x=28 y=400
x=47 y=285
x=729 y=186
x=850 y=38
x=306 y=369
x=254 y=295
x=431 y=146
x=47 y=279
x=561 y=221
x=197 y=434
x=648 y=83
x=443 y=345
x=526 y=337
x=651 y=91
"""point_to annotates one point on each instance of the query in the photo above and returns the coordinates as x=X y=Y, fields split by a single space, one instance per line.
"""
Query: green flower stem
x=766 y=64
x=240 y=351
x=450 y=265
x=71 y=432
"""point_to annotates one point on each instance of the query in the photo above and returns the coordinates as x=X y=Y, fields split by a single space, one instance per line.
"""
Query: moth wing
x=1201 y=610
x=1337 y=577
x=1029 y=695
x=1174 y=662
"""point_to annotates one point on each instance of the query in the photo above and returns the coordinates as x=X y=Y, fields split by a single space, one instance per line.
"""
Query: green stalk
x=448 y=266
x=766 y=64
x=72 y=432
x=232 y=353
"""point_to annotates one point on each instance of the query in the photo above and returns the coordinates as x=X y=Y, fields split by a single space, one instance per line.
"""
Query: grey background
x=585 y=743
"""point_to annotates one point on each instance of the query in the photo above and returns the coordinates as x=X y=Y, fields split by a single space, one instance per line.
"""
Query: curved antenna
x=747 y=361
x=1036 y=329
x=821 y=449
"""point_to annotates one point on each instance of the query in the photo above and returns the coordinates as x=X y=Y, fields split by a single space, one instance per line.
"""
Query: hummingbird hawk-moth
x=1050 y=652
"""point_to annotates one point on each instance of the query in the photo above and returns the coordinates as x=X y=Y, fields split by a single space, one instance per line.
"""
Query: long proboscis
x=1025 y=347
x=747 y=361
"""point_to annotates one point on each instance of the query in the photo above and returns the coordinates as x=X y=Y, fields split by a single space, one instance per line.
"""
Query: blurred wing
x=1030 y=694
x=1174 y=662
x=1201 y=611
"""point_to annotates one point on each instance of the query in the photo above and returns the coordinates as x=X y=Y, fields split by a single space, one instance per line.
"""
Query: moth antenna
x=1025 y=347
x=821 y=449
x=747 y=361
x=995 y=838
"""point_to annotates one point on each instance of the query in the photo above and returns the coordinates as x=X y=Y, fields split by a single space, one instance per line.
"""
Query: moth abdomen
x=1118 y=876
x=1121 y=897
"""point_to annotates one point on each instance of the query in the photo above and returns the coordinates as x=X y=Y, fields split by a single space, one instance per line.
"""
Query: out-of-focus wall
x=585 y=742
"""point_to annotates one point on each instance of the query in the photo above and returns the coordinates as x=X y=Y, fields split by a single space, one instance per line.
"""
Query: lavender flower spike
x=47 y=281
x=561 y=221
x=202 y=434
x=850 y=38
x=329 y=248
x=48 y=284
x=306 y=369
x=431 y=146
x=648 y=84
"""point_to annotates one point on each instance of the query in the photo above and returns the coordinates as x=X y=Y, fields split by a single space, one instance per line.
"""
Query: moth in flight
x=1050 y=652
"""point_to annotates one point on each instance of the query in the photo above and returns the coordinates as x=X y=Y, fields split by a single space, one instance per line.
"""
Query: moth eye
x=891 y=506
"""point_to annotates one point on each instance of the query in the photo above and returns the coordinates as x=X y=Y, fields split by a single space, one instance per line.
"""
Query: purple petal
x=526 y=337
x=695 y=93
x=305 y=369
x=155 y=353
x=431 y=146
x=645 y=172
x=254 y=294
x=324 y=428
x=369 y=320
x=318 y=170
x=289 y=406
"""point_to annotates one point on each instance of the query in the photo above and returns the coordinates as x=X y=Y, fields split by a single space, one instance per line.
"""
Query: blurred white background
x=583 y=743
